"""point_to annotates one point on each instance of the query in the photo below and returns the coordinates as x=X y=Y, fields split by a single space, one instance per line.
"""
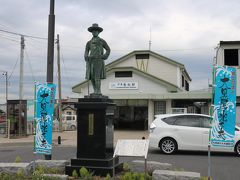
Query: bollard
x=59 y=139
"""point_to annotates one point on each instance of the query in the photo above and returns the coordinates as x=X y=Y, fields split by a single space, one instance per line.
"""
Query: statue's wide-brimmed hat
x=95 y=27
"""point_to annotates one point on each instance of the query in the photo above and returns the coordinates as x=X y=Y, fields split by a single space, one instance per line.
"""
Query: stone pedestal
x=94 y=136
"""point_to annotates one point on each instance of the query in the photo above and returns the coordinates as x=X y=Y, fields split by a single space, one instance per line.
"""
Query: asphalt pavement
x=69 y=138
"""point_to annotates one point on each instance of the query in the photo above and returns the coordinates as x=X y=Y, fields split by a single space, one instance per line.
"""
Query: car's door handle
x=206 y=132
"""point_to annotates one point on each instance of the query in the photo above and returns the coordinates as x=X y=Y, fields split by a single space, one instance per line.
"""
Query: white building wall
x=156 y=67
x=144 y=86
x=163 y=70
x=220 y=61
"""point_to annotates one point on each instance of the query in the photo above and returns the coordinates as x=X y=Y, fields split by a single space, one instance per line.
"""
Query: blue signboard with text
x=224 y=113
x=44 y=108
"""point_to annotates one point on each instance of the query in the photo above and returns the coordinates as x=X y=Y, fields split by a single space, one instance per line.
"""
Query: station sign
x=123 y=85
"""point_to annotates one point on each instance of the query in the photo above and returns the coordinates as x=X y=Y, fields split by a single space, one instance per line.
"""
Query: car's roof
x=186 y=114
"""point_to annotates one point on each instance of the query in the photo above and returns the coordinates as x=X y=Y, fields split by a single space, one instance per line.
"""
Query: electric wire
x=8 y=38
x=30 y=65
x=19 y=34
x=14 y=67
x=65 y=69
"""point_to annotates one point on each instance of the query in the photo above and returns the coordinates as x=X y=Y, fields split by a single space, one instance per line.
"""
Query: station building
x=144 y=83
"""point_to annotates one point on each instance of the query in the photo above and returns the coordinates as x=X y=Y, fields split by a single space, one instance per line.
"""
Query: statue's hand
x=104 y=57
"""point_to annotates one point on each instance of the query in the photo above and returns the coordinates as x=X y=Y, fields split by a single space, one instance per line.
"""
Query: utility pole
x=22 y=45
x=59 y=85
x=50 y=53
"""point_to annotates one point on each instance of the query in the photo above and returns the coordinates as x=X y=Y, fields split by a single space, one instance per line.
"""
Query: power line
x=8 y=38
x=30 y=65
x=19 y=34
x=13 y=68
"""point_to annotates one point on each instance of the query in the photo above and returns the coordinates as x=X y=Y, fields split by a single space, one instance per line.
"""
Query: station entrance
x=131 y=114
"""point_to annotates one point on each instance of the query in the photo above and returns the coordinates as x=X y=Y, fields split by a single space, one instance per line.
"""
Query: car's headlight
x=152 y=127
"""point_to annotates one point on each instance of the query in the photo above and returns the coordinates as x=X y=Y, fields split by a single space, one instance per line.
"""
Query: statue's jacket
x=95 y=56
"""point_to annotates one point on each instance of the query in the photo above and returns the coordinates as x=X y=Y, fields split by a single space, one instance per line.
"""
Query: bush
x=18 y=159
x=135 y=176
x=126 y=167
x=85 y=174
x=20 y=173
x=74 y=173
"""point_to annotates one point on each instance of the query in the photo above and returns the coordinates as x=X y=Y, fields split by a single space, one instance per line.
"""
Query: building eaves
x=158 y=56
x=180 y=95
x=229 y=43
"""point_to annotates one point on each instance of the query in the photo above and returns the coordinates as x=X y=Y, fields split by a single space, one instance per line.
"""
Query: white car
x=172 y=132
x=69 y=122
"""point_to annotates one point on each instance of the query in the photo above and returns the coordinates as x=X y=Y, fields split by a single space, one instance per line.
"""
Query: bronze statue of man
x=94 y=56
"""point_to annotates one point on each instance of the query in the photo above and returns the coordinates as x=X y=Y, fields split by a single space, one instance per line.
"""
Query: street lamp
x=7 y=125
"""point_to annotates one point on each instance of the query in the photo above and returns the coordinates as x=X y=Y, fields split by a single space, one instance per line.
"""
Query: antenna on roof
x=150 y=38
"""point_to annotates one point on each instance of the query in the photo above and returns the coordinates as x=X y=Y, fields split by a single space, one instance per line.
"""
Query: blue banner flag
x=44 y=108
x=224 y=113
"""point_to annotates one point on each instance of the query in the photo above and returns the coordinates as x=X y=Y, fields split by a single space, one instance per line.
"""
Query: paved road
x=225 y=166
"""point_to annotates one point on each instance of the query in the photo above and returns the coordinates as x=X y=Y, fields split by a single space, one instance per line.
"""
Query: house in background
x=68 y=108
x=143 y=84
x=228 y=54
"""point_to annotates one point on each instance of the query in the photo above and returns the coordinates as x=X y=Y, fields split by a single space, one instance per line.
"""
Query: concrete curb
x=173 y=175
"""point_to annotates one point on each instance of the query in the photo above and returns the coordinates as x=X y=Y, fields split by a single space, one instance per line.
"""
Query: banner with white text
x=224 y=113
x=44 y=108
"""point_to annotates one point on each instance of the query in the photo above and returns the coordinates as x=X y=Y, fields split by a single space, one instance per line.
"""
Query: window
x=169 y=120
x=68 y=118
x=119 y=74
x=142 y=56
x=191 y=121
x=160 y=107
x=182 y=81
x=69 y=113
x=186 y=86
x=206 y=122
x=231 y=57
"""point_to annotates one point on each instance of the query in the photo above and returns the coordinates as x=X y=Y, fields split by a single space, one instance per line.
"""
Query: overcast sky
x=186 y=31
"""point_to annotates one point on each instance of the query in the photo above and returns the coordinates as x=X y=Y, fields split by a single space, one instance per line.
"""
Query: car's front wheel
x=237 y=148
x=168 y=145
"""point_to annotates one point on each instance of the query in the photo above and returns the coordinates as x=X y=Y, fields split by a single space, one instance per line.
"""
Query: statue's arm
x=107 y=49
x=87 y=48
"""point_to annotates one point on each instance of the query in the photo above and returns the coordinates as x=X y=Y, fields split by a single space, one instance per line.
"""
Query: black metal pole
x=50 y=53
